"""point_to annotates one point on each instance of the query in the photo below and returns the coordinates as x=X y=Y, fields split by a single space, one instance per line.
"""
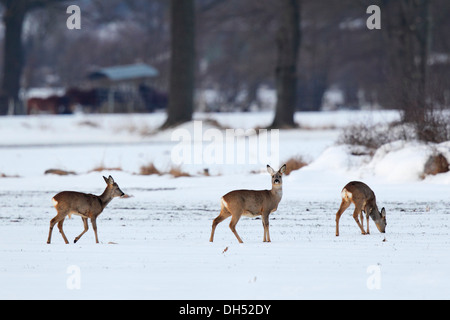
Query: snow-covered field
x=154 y=244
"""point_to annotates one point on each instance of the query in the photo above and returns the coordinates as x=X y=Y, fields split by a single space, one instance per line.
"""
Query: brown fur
x=251 y=203
x=82 y=204
x=364 y=199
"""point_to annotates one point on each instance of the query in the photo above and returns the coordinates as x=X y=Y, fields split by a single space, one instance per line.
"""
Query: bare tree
x=13 y=58
x=182 y=64
x=13 y=18
x=408 y=36
x=288 y=42
x=235 y=60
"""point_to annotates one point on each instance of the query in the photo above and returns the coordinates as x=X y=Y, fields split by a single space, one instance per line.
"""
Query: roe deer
x=251 y=203
x=364 y=199
x=82 y=204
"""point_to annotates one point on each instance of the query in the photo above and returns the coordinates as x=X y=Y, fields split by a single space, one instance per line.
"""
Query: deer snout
x=381 y=227
x=119 y=193
x=276 y=181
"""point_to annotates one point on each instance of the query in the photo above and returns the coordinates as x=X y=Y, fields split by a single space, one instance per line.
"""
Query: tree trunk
x=182 y=68
x=13 y=61
x=288 y=42
x=408 y=28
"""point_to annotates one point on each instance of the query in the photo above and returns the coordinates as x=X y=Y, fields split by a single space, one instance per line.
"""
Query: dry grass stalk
x=149 y=170
x=2 y=175
x=101 y=168
x=59 y=172
x=295 y=163
x=177 y=172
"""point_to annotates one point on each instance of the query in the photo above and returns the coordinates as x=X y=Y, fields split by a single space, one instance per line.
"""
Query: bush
x=149 y=170
x=369 y=136
x=433 y=128
x=295 y=163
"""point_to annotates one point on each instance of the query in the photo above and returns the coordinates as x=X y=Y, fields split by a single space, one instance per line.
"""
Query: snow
x=154 y=244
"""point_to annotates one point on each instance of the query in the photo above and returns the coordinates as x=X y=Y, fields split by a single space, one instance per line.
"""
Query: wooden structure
x=123 y=86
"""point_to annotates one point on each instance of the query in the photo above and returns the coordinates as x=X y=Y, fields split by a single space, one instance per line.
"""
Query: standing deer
x=251 y=203
x=364 y=199
x=82 y=204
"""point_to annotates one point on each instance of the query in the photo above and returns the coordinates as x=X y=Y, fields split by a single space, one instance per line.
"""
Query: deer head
x=277 y=179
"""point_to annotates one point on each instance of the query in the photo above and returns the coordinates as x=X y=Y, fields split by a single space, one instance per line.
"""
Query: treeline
x=301 y=48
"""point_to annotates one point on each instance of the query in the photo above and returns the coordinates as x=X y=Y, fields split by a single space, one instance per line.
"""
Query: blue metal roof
x=126 y=72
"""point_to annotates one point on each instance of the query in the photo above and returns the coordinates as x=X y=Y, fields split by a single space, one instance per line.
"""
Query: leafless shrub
x=369 y=136
x=434 y=128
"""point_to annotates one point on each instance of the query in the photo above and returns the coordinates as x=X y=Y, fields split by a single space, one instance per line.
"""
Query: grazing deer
x=251 y=203
x=82 y=204
x=364 y=199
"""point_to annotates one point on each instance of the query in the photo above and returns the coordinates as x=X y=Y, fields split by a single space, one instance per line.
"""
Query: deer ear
x=111 y=180
x=270 y=170
x=106 y=179
x=283 y=168
x=383 y=212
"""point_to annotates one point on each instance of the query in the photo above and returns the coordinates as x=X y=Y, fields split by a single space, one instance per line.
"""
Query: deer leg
x=86 y=228
x=60 y=227
x=224 y=213
x=52 y=224
x=367 y=219
x=355 y=216
x=342 y=208
x=94 y=226
x=265 y=221
x=234 y=221
x=361 y=218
